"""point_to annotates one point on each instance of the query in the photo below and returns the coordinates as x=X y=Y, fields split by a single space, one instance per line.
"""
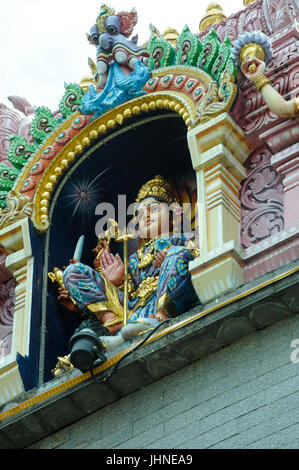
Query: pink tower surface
x=14 y=121
x=270 y=193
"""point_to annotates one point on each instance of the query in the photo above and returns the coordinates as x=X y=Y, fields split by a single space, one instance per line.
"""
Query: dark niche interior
x=119 y=167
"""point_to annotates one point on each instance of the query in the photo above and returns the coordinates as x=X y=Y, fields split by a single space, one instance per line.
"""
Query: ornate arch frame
x=77 y=134
x=208 y=125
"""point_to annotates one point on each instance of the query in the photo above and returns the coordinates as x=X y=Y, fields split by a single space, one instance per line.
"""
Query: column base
x=213 y=277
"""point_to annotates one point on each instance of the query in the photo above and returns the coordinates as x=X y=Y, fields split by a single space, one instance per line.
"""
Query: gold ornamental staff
x=121 y=236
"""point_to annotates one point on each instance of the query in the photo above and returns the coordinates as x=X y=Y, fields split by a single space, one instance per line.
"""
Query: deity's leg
x=95 y=295
x=129 y=331
x=92 y=294
x=84 y=285
x=175 y=288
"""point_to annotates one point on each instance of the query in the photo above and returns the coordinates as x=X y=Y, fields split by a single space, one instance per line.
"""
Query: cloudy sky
x=43 y=44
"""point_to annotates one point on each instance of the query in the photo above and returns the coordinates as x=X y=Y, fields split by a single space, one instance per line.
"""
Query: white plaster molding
x=15 y=241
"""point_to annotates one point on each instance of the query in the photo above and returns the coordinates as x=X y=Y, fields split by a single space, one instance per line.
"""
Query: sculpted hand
x=274 y=100
x=112 y=268
x=259 y=72
x=71 y=261
x=102 y=245
x=65 y=300
x=159 y=258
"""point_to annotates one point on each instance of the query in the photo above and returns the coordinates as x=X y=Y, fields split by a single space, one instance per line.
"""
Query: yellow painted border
x=88 y=136
x=173 y=100
x=40 y=150
x=110 y=362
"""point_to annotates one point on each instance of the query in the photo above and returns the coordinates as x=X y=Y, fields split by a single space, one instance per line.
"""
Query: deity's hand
x=71 y=261
x=112 y=268
x=256 y=64
x=101 y=248
x=65 y=300
x=159 y=258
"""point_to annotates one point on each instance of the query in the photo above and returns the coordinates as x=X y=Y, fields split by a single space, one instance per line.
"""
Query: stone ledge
x=197 y=333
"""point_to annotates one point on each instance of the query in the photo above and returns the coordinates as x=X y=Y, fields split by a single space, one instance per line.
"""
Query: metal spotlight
x=86 y=350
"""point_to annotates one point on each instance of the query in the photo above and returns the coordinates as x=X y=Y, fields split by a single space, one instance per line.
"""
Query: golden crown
x=157 y=187
x=104 y=13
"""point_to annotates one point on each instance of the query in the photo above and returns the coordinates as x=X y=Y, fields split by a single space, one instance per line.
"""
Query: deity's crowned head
x=155 y=205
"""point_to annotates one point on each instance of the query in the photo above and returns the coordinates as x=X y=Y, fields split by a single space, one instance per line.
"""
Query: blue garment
x=86 y=286
x=118 y=89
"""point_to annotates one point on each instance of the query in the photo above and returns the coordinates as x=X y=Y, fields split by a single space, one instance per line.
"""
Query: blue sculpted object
x=121 y=70
x=119 y=88
x=110 y=35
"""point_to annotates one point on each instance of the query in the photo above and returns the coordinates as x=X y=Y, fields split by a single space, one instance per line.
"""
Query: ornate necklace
x=146 y=258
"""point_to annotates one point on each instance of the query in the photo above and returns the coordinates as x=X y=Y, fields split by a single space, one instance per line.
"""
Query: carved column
x=218 y=149
x=15 y=241
x=261 y=199
x=283 y=142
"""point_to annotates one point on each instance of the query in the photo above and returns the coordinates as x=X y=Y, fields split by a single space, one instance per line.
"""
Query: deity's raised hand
x=253 y=68
x=101 y=248
x=112 y=268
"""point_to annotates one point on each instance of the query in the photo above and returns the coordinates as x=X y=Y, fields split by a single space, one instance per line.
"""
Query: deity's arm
x=276 y=102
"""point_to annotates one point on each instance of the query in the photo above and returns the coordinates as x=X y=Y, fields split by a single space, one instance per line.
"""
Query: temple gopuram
x=149 y=241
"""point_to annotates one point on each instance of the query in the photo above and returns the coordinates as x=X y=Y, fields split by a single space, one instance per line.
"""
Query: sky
x=43 y=44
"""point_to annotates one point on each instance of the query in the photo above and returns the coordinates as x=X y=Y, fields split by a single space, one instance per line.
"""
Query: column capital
x=218 y=150
x=220 y=131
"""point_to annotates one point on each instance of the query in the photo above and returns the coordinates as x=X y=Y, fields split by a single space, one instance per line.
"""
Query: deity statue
x=110 y=34
x=121 y=70
x=159 y=282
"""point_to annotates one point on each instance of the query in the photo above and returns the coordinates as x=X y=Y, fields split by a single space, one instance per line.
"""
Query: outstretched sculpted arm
x=277 y=104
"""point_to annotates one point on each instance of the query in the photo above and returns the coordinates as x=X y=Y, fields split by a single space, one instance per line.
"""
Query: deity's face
x=153 y=218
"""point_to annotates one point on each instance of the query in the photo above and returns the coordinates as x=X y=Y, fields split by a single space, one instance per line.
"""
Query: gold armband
x=261 y=81
x=297 y=106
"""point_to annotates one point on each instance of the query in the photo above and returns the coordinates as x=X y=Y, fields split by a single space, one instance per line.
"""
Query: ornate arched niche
x=179 y=127
x=115 y=154
x=110 y=171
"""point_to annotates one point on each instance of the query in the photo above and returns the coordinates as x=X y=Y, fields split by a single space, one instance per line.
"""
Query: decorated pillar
x=283 y=142
x=15 y=240
x=218 y=149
